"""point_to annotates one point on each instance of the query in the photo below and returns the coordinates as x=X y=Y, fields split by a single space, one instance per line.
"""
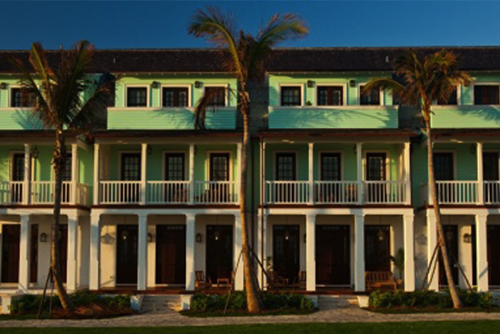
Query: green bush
x=425 y=299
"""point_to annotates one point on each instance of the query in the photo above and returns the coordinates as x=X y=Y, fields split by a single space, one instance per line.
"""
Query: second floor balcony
x=43 y=193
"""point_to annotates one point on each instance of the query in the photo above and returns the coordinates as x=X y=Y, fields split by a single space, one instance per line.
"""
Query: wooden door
x=34 y=254
x=170 y=254
x=376 y=171
x=126 y=254
x=11 y=236
x=333 y=255
x=286 y=251
x=17 y=174
x=219 y=252
x=444 y=171
x=63 y=251
x=220 y=171
x=493 y=254
x=377 y=248
x=131 y=171
x=490 y=173
x=451 y=239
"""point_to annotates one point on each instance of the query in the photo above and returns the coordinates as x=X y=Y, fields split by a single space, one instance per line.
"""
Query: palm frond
x=204 y=105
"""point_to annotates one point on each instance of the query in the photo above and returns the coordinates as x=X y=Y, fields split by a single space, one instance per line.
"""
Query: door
x=286 y=192
x=66 y=177
x=126 y=254
x=34 y=254
x=377 y=248
x=376 y=171
x=219 y=252
x=63 y=250
x=333 y=258
x=11 y=235
x=286 y=251
x=130 y=171
x=170 y=254
x=220 y=172
x=330 y=170
x=17 y=175
x=493 y=251
x=451 y=239
x=443 y=171
x=175 y=170
x=490 y=173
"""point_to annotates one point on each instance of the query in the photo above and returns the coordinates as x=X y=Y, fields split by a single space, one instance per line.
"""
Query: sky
x=163 y=24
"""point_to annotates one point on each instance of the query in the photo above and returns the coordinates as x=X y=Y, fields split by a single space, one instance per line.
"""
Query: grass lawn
x=413 y=310
x=465 y=327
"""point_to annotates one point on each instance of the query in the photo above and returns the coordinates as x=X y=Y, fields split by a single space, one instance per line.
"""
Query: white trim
x=119 y=164
x=358 y=97
x=340 y=152
x=164 y=163
x=302 y=94
x=226 y=92
x=275 y=170
x=208 y=166
x=148 y=93
x=479 y=83
x=387 y=162
x=189 y=97
x=344 y=93
x=454 y=154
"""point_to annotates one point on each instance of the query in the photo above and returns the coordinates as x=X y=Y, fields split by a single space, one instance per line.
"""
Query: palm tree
x=58 y=103
x=422 y=80
x=243 y=55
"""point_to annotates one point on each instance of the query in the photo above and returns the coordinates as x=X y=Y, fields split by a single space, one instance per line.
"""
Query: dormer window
x=20 y=100
x=486 y=94
x=291 y=96
x=137 y=97
x=452 y=100
x=371 y=98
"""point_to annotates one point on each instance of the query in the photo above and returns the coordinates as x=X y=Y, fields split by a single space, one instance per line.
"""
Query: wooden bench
x=200 y=283
x=380 y=280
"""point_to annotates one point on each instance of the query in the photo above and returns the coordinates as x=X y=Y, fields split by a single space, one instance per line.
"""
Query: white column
x=190 y=253
x=74 y=173
x=311 y=173
x=263 y=173
x=142 y=261
x=311 y=252
x=238 y=174
x=238 y=277
x=191 y=173
x=407 y=173
x=409 y=250
x=264 y=249
x=359 y=170
x=482 y=253
x=95 y=252
x=27 y=174
x=144 y=157
x=97 y=157
x=480 y=176
x=71 y=276
x=431 y=245
x=24 y=254
x=359 y=253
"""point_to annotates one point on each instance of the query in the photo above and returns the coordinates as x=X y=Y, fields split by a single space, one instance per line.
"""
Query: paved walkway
x=347 y=314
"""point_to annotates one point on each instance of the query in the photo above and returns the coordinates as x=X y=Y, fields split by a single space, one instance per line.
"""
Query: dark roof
x=282 y=60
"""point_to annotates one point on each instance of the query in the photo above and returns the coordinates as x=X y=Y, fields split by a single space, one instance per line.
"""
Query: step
x=161 y=303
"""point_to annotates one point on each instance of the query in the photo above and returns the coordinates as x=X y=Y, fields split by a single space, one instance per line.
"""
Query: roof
x=343 y=59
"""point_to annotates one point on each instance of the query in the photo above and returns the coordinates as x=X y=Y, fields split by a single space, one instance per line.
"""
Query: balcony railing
x=463 y=193
x=119 y=192
x=42 y=192
x=335 y=192
x=11 y=192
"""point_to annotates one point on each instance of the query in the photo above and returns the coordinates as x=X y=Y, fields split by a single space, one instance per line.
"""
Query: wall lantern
x=34 y=152
x=381 y=235
x=199 y=237
x=305 y=238
x=310 y=83
x=155 y=84
x=124 y=235
x=43 y=237
x=3 y=85
x=472 y=149
x=197 y=84
x=467 y=238
x=150 y=237
x=149 y=149
x=352 y=83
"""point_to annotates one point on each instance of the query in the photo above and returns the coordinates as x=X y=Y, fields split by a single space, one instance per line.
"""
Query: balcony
x=336 y=192
x=168 y=192
x=42 y=193
x=463 y=193
x=466 y=116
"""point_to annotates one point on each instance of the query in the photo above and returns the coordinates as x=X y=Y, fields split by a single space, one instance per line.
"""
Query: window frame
x=189 y=97
x=148 y=96
x=275 y=161
x=344 y=94
x=387 y=166
x=302 y=97
x=120 y=161
x=341 y=164
x=9 y=97
x=208 y=166
x=454 y=156
x=164 y=163
x=381 y=97
x=459 y=98
x=486 y=83
x=225 y=86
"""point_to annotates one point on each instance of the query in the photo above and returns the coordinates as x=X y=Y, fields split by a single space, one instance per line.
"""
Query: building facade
x=337 y=186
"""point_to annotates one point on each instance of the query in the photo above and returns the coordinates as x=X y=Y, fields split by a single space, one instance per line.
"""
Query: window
x=285 y=167
x=443 y=166
x=137 y=97
x=66 y=176
x=219 y=167
x=486 y=94
x=375 y=166
x=175 y=96
x=330 y=167
x=218 y=98
x=131 y=166
x=17 y=167
x=330 y=96
x=174 y=167
x=452 y=100
x=18 y=99
x=371 y=98
x=290 y=96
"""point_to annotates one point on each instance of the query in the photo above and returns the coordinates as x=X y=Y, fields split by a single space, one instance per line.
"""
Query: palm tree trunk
x=253 y=299
x=59 y=162
x=439 y=227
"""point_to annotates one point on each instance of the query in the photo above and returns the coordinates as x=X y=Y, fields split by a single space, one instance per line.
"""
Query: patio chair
x=201 y=283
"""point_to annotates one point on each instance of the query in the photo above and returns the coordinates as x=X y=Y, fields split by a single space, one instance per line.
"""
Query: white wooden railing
x=336 y=192
x=384 y=192
x=287 y=192
x=119 y=192
x=491 y=192
x=457 y=192
x=42 y=192
x=165 y=192
x=11 y=192
x=215 y=192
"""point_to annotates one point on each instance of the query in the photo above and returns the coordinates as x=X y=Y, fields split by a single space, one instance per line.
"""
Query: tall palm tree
x=243 y=55
x=58 y=103
x=422 y=80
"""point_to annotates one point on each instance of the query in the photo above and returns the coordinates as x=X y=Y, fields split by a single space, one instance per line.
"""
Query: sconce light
x=124 y=235
x=287 y=235
x=155 y=84
x=472 y=149
x=305 y=238
x=43 y=237
x=352 y=83
x=310 y=83
x=34 y=152
x=197 y=84
x=381 y=235
x=149 y=149
x=217 y=235
x=3 y=85
x=199 y=237
x=150 y=237
x=467 y=238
